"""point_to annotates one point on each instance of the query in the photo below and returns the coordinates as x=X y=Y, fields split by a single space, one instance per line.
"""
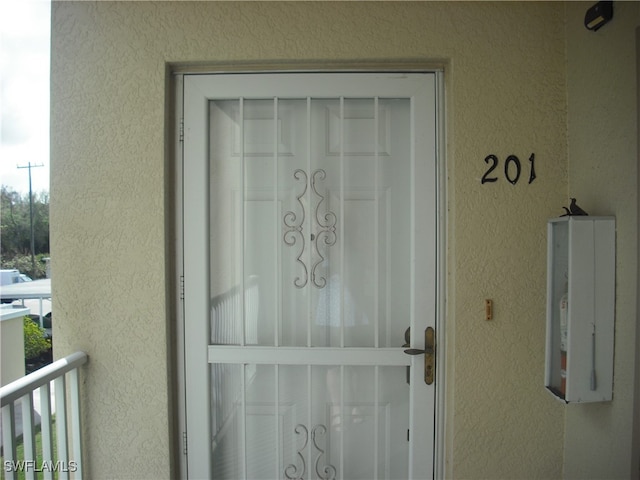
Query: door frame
x=176 y=263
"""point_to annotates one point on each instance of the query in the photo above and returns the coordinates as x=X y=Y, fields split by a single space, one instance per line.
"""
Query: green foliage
x=23 y=263
x=15 y=229
x=35 y=342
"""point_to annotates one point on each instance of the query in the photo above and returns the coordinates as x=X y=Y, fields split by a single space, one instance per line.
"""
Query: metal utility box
x=580 y=308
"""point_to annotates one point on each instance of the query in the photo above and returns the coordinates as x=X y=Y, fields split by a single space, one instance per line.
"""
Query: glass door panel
x=310 y=421
x=310 y=222
x=309 y=234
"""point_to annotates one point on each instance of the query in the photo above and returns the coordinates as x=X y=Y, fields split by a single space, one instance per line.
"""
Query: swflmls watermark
x=40 y=467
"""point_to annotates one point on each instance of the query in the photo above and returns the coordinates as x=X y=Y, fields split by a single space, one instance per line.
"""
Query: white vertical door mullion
x=341 y=229
x=28 y=433
x=309 y=418
x=376 y=228
x=276 y=221
x=387 y=448
x=416 y=365
x=376 y=275
x=243 y=228
x=243 y=421
x=423 y=134
x=388 y=279
x=195 y=237
x=276 y=416
x=45 y=426
x=307 y=227
x=342 y=421
x=376 y=420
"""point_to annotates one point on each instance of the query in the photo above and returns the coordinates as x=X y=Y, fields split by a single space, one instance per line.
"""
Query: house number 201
x=512 y=169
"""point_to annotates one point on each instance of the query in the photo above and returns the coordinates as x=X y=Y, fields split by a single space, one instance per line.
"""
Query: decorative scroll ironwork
x=325 y=226
x=328 y=472
x=326 y=229
x=298 y=470
x=293 y=229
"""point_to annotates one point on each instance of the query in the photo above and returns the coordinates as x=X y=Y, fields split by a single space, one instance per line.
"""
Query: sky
x=24 y=93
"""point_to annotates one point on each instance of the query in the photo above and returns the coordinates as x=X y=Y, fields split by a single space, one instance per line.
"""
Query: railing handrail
x=24 y=385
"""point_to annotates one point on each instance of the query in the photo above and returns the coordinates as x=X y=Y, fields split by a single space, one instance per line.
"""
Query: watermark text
x=40 y=467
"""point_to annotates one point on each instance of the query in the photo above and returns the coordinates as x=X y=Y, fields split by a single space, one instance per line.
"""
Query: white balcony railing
x=58 y=389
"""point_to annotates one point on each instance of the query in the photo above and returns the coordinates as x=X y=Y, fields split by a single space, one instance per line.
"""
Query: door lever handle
x=415 y=351
x=429 y=355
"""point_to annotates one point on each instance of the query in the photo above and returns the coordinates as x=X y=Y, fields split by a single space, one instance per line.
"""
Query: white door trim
x=441 y=439
x=182 y=249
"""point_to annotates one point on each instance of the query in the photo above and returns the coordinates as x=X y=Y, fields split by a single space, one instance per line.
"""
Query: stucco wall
x=505 y=94
x=603 y=175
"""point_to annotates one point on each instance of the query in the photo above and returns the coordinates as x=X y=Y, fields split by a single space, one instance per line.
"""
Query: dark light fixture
x=598 y=15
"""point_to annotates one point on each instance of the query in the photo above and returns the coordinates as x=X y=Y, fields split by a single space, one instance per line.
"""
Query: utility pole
x=33 y=248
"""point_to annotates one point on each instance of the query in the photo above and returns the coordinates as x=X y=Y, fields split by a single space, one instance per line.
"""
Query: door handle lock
x=429 y=355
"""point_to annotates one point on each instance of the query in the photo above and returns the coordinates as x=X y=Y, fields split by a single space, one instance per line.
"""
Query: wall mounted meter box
x=580 y=308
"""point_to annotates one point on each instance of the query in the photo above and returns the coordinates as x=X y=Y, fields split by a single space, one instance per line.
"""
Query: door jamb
x=179 y=409
x=177 y=267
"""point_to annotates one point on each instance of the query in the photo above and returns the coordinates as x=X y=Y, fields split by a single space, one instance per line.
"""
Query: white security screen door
x=309 y=250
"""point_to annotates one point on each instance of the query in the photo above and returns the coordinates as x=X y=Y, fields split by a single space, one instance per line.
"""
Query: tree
x=15 y=229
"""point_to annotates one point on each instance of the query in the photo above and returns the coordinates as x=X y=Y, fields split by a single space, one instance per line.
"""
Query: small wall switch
x=488 y=309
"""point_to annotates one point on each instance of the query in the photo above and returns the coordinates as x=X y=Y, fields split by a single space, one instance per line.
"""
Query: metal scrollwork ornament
x=324 y=228
x=298 y=470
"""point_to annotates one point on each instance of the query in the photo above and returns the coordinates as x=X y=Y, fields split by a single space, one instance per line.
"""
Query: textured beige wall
x=603 y=175
x=505 y=93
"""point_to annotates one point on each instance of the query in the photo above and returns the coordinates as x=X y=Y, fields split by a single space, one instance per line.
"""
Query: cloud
x=24 y=90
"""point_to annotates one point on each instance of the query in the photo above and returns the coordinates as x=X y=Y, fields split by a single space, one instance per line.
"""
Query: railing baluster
x=22 y=390
x=28 y=434
x=45 y=427
x=60 y=385
x=76 y=430
x=8 y=439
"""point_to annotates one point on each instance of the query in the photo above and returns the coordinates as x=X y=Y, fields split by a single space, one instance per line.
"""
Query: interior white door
x=309 y=249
